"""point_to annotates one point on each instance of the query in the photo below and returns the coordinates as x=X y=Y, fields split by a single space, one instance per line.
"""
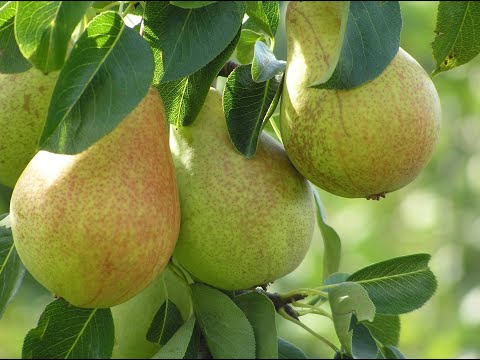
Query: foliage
x=106 y=68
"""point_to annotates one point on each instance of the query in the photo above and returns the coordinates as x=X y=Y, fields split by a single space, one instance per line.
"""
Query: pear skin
x=24 y=101
x=244 y=222
x=97 y=227
x=362 y=142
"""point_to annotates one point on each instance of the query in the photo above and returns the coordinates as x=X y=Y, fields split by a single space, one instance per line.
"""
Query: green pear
x=5 y=195
x=97 y=227
x=24 y=100
x=132 y=319
x=244 y=222
x=362 y=142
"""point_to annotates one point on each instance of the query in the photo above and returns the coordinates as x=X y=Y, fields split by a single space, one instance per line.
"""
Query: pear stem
x=177 y=272
x=312 y=309
x=283 y=313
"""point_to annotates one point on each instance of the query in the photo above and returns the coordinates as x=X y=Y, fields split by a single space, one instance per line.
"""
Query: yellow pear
x=97 y=227
x=362 y=142
x=24 y=101
x=244 y=222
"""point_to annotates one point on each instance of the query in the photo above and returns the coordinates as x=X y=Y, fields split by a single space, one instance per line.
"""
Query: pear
x=97 y=227
x=133 y=318
x=362 y=142
x=244 y=222
x=24 y=100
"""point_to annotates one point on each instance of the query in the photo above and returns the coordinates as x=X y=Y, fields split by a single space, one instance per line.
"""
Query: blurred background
x=439 y=214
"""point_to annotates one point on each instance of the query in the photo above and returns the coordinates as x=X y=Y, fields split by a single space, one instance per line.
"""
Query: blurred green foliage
x=439 y=213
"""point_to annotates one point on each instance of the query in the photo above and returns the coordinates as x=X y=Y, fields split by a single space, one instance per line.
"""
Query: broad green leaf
x=331 y=242
x=246 y=45
x=194 y=345
x=43 y=30
x=263 y=16
x=371 y=39
x=11 y=267
x=166 y=322
x=177 y=36
x=247 y=105
x=399 y=285
x=191 y=4
x=457 y=40
x=184 y=98
x=363 y=343
x=265 y=65
x=385 y=328
x=99 y=85
x=286 y=350
x=5 y=195
x=391 y=352
x=261 y=314
x=225 y=327
x=67 y=332
x=176 y=347
x=11 y=59
x=346 y=300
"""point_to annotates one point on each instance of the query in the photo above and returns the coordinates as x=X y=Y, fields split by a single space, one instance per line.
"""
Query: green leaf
x=176 y=347
x=191 y=4
x=177 y=36
x=371 y=39
x=331 y=241
x=346 y=300
x=265 y=65
x=286 y=350
x=363 y=343
x=246 y=45
x=263 y=16
x=194 y=344
x=224 y=326
x=67 y=332
x=104 y=68
x=166 y=322
x=11 y=267
x=247 y=105
x=385 y=328
x=5 y=195
x=391 y=352
x=457 y=41
x=399 y=285
x=11 y=59
x=43 y=30
x=184 y=98
x=261 y=314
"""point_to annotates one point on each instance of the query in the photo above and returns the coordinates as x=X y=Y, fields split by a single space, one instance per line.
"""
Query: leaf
x=371 y=39
x=335 y=278
x=457 y=40
x=11 y=267
x=191 y=4
x=247 y=105
x=391 y=352
x=5 y=195
x=261 y=314
x=166 y=322
x=385 y=328
x=67 y=332
x=184 y=98
x=399 y=285
x=263 y=16
x=177 y=36
x=177 y=346
x=345 y=300
x=286 y=350
x=194 y=344
x=265 y=65
x=11 y=59
x=43 y=30
x=246 y=45
x=363 y=343
x=224 y=326
x=107 y=74
x=331 y=241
